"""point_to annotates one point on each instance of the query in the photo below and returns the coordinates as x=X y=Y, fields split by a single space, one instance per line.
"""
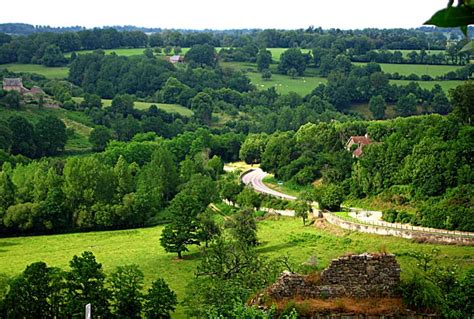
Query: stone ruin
x=357 y=276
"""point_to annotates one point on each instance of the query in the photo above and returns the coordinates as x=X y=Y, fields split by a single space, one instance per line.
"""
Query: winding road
x=254 y=179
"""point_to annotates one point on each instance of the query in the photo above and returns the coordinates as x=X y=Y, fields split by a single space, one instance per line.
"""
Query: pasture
x=48 y=72
x=170 y=108
x=418 y=69
x=286 y=236
x=284 y=84
x=446 y=85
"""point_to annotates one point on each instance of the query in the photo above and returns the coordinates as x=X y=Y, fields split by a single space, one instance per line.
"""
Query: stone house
x=14 y=84
x=176 y=59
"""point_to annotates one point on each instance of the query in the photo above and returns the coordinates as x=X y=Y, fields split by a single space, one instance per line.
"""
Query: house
x=360 y=141
x=14 y=84
x=176 y=59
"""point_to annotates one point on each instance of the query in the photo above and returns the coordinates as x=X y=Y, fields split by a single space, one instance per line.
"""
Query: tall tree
x=183 y=228
x=160 y=301
x=85 y=284
x=126 y=285
x=244 y=227
x=406 y=105
x=202 y=106
x=264 y=58
x=23 y=136
x=50 y=134
x=377 y=106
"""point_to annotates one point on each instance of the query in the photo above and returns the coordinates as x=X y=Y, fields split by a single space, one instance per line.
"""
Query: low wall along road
x=254 y=178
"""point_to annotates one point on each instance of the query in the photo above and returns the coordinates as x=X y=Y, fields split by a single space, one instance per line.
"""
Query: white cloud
x=212 y=14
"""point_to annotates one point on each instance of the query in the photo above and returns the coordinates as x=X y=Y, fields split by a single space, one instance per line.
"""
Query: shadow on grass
x=4 y=244
x=264 y=248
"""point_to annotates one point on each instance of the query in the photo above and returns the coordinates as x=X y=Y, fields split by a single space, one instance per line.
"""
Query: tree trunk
x=179 y=255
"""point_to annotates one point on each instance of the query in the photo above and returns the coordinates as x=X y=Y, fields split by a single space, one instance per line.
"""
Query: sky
x=223 y=14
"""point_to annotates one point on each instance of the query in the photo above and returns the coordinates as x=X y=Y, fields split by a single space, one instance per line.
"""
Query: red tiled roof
x=361 y=140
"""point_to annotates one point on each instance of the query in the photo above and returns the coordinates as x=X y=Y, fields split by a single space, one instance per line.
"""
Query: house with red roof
x=360 y=142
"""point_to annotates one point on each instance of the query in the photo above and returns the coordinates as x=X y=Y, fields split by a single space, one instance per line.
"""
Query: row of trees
x=50 y=292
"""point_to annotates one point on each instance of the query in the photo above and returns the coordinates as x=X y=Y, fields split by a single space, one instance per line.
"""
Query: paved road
x=255 y=178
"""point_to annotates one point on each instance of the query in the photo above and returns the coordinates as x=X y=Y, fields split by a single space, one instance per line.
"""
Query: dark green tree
x=85 y=283
x=202 y=55
x=99 y=138
x=126 y=285
x=50 y=135
x=12 y=100
x=53 y=56
x=406 y=105
x=264 y=58
x=183 y=228
x=377 y=107
x=292 y=58
x=202 y=106
x=6 y=137
x=244 y=228
x=23 y=136
x=160 y=301
x=302 y=209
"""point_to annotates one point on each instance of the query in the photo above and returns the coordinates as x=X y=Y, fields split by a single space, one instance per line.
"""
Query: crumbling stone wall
x=359 y=276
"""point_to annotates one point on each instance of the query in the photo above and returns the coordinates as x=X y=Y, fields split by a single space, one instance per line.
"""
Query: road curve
x=254 y=179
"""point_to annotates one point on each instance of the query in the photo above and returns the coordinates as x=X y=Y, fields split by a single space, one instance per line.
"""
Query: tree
x=329 y=196
x=461 y=99
x=406 y=105
x=441 y=103
x=122 y=104
x=91 y=101
x=51 y=137
x=202 y=106
x=230 y=189
x=244 y=228
x=202 y=55
x=253 y=147
x=377 y=106
x=126 y=285
x=23 y=136
x=7 y=191
x=99 y=138
x=266 y=75
x=208 y=228
x=160 y=300
x=183 y=228
x=302 y=209
x=292 y=58
x=248 y=198
x=12 y=100
x=6 y=137
x=85 y=283
x=163 y=165
x=32 y=294
x=53 y=56
x=264 y=58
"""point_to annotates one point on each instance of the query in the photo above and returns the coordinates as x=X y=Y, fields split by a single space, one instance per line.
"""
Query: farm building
x=14 y=84
x=360 y=141
x=176 y=59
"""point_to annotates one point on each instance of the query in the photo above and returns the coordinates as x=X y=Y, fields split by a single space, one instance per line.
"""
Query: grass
x=285 y=84
x=446 y=85
x=289 y=188
x=121 y=51
x=170 y=108
x=429 y=52
x=285 y=236
x=48 y=72
x=418 y=69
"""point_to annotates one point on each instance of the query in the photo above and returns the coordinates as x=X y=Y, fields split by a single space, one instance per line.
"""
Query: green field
x=418 y=69
x=48 y=72
x=171 y=108
x=446 y=85
x=74 y=119
x=286 y=236
x=285 y=84
x=122 y=51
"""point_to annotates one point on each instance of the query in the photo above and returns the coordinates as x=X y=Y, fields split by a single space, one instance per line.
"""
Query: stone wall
x=404 y=233
x=359 y=276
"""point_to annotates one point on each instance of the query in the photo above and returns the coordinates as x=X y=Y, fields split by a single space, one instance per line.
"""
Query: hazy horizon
x=205 y=14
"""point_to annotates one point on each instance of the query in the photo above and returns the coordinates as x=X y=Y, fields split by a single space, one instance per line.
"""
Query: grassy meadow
x=48 y=72
x=171 y=108
x=286 y=236
x=418 y=69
